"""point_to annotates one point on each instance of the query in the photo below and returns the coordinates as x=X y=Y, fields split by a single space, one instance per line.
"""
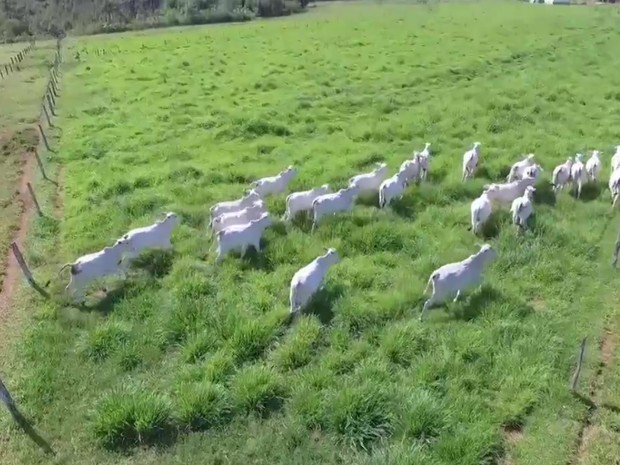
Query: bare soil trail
x=11 y=270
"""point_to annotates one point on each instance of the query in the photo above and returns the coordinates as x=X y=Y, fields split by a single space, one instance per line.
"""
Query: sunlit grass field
x=189 y=362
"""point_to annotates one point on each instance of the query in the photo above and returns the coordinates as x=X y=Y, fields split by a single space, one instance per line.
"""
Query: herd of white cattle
x=240 y=224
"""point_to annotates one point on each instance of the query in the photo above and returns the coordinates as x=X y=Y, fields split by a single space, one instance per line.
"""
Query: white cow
x=470 y=161
x=505 y=193
x=233 y=205
x=481 y=209
x=412 y=167
x=593 y=165
x=615 y=159
x=274 y=184
x=239 y=217
x=393 y=187
x=370 y=182
x=330 y=204
x=522 y=207
x=425 y=156
x=578 y=174
x=309 y=279
x=453 y=278
x=240 y=237
x=106 y=262
x=149 y=237
x=614 y=186
x=533 y=171
x=561 y=175
x=518 y=169
x=302 y=201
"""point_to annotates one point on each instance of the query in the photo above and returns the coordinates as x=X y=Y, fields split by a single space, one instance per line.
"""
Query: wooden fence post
x=40 y=163
x=51 y=85
x=49 y=100
x=47 y=116
x=5 y=397
x=22 y=422
x=47 y=145
x=34 y=199
x=26 y=271
x=22 y=263
x=579 y=363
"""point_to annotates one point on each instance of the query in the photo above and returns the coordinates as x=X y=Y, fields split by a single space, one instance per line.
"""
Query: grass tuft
x=361 y=414
x=203 y=406
x=258 y=389
x=131 y=417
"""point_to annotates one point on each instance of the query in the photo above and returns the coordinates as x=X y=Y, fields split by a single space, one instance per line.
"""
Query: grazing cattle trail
x=12 y=271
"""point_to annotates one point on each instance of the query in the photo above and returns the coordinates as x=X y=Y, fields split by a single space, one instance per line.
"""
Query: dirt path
x=590 y=428
x=12 y=271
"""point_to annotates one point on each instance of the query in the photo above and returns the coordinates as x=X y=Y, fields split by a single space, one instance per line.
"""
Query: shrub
x=130 y=417
x=203 y=406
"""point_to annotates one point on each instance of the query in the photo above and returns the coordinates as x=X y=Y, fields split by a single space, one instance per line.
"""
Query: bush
x=131 y=417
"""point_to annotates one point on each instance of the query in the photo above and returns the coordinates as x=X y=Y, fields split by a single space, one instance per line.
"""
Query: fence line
x=13 y=64
x=52 y=86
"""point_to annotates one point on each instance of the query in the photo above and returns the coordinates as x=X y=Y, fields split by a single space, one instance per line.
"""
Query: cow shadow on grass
x=589 y=191
x=156 y=263
x=368 y=200
x=302 y=221
x=258 y=260
x=109 y=298
x=435 y=176
x=477 y=300
x=321 y=305
x=491 y=228
x=404 y=207
x=544 y=194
